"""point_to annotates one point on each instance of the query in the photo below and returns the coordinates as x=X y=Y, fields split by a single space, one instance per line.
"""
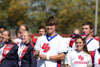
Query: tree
x=33 y=13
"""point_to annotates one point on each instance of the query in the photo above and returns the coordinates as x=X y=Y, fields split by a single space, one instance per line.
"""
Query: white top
x=18 y=41
x=51 y=47
x=67 y=40
x=97 y=59
x=92 y=44
x=78 y=59
x=21 y=47
x=1 y=51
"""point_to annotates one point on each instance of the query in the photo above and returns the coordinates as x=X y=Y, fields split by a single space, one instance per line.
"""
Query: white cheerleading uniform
x=50 y=47
x=92 y=44
x=18 y=41
x=21 y=47
x=78 y=59
x=1 y=51
x=96 y=58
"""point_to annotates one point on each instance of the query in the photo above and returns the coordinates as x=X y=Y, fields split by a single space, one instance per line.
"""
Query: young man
x=91 y=43
x=8 y=51
x=87 y=30
x=51 y=47
x=41 y=30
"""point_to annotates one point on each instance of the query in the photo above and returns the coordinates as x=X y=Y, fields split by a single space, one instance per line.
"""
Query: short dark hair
x=41 y=27
x=52 y=20
x=88 y=23
x=3 y=27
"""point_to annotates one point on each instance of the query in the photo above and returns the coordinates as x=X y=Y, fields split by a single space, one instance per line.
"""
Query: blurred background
x=33 y=13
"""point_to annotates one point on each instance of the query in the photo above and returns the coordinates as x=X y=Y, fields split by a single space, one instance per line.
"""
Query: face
x=5 y=36
x=51 y=29
x=76 y=31
x=25 y=37
x=41 y=32
x=86 y=29
x=79 y=44
x=22 y=29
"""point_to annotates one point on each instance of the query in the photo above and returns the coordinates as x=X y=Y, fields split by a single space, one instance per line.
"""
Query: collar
x=49 y=38
x=89 y=41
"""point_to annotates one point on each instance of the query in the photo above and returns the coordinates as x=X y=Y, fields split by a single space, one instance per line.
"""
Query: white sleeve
x=97 y=45
x=68 y=59
x=67 y=40
x=37 y=45
x=62 y=46
x=90 y=60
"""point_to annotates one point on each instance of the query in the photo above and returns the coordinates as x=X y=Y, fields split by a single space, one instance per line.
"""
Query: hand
x=42 y=56
x=36 y=53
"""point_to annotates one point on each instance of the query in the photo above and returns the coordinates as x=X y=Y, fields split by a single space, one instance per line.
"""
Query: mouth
x=78 y=46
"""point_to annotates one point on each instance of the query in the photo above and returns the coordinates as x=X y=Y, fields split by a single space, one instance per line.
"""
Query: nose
x=83 y=30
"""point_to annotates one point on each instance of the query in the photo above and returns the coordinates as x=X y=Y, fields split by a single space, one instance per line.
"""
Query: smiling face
x=22 y=29
x=5 y=36
x=51 y=29
x=79 y=44
x=51 y=25
x=25 y=37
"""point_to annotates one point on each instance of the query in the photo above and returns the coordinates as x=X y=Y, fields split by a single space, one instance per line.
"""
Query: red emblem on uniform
x=99 y=61
x=81 y=57
x=45 y=47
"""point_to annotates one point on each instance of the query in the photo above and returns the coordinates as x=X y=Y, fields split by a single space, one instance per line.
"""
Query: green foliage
x=33 y=13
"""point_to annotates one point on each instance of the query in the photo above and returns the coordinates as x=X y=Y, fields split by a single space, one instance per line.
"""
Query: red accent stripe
x=92 y=56
x=58 y=63
x=72 y=42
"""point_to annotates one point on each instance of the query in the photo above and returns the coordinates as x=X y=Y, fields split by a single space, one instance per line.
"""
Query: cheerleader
x=25 y=52
x=8 y=51
x=79 y=57
x=96 y=57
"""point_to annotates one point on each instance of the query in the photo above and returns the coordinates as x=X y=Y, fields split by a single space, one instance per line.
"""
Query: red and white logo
x=81 y=57
x=45 y=47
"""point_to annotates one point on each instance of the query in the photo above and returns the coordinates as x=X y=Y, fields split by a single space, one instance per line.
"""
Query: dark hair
x=52 y=20
x=85 y=46
x=3 y=27
x=88 y=23
x=96 y=36
x=16 y=31
x=41 y=27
